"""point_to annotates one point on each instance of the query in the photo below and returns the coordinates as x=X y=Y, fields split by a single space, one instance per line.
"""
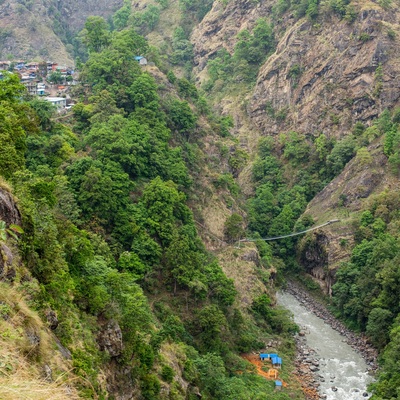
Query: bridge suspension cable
x=332 y=221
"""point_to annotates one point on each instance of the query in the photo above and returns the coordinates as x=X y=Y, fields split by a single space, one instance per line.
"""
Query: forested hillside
x=119 y=221
x=108 y=247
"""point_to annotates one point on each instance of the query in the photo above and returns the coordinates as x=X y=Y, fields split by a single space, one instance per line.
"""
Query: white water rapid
x=342 y=371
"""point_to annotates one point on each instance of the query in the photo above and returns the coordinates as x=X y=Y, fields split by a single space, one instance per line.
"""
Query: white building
x=41 y=89
x=59 y=102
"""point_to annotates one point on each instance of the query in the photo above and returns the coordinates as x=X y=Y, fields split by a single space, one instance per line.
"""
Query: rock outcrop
x=110 y=338
x=6 y=260
x=221 y=25
x=324 y=75
x=345 y=197
x=9 y=212
x=75 y=12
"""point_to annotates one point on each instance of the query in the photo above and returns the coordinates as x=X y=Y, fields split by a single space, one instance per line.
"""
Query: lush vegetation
x=291 y=169
x=367 y=287
x=366 y=290
x=108 y=233
x=287 y=173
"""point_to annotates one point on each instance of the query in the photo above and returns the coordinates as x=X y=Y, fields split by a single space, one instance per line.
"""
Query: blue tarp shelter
x=278 y=385
x=267 y=356
x=276 y=361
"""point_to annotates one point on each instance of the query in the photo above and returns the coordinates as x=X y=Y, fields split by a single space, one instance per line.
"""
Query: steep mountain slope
x=321 y=102
x=325 y=75
x=29 y=35
x=112 y=245
x=114 y=201
x=220 y=27
x=33 y=30
x=346 y=197
x=33 y=364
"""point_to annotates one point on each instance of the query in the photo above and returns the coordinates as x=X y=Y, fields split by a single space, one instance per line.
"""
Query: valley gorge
x=192 y=125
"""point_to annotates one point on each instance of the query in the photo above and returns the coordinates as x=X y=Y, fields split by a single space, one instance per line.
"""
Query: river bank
x=307 y=365
x=358 y=342
x=331 y=361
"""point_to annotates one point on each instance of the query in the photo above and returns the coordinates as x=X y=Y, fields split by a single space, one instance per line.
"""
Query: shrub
x=167 y=373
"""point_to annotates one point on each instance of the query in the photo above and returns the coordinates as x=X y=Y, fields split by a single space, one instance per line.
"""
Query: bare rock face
x=324 y=77
x=121 y=383
x=314 y=256
x=252 y=256
x=313 y=250
x=76 y=11
x=52 y=319
x=33 y=337
x=47 y=373
x=221 y=25
x=110 y=338
x=9 y=212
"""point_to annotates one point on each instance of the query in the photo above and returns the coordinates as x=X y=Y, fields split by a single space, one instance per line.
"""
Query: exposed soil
x=304 y=374
x=255 y=360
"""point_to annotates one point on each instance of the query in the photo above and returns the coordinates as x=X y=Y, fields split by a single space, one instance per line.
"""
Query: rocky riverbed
x=358 y=342
x=307 y=366
x=308 y=362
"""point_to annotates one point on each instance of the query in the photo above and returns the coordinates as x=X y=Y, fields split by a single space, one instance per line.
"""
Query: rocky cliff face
x=221 y=25
x=75 y=12
x=321 y=253
x=324 y=77
x=9 y=212
x=327 y=76
x=31 y=30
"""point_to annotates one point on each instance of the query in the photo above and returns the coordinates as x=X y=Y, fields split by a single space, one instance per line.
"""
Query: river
x=342 y=370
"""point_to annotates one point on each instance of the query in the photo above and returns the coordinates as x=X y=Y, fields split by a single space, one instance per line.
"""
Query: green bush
x=167 y=373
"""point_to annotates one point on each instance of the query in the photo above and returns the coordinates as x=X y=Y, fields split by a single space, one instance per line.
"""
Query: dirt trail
x=255 y=360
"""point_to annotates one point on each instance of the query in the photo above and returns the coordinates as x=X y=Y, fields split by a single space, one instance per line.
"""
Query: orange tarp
x=272 y=373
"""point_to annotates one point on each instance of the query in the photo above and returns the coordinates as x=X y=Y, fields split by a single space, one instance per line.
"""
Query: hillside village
x=49 y=80
x=46 y=79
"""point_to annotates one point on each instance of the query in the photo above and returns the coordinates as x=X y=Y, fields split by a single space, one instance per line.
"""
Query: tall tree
x=95 y=34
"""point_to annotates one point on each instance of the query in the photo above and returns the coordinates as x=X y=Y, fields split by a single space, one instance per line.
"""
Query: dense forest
x=110 y=195
x=108 y=235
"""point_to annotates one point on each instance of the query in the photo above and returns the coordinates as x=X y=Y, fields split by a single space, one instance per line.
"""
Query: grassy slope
x=30 y=365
